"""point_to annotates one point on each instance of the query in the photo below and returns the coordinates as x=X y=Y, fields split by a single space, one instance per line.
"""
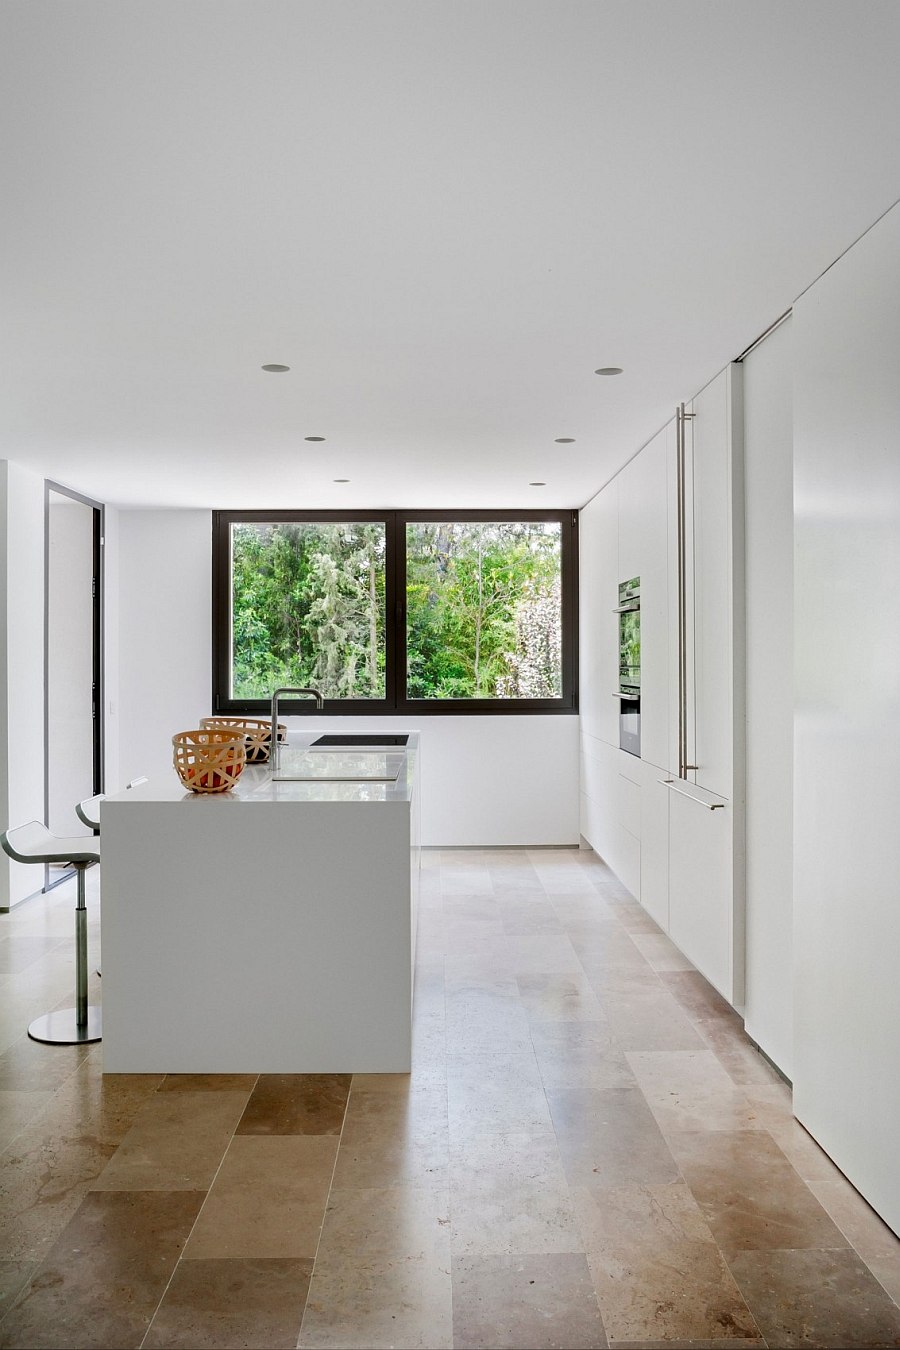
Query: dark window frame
x=394 y=702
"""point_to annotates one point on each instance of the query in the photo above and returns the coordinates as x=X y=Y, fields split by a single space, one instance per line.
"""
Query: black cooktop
x=384 y=739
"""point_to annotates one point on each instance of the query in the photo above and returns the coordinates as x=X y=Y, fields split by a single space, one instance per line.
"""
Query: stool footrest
x=61 y=1028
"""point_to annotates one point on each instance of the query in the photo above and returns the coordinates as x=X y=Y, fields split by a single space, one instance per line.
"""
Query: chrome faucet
x=275 y=747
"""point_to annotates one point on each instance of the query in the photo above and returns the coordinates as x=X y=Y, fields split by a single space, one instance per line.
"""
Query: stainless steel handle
x=681 y=418
x=679 y=570
x=628 y=698
x=670 y=784
x=628 y=609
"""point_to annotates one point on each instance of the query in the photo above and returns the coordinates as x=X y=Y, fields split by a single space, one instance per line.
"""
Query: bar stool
x=88 y=811
x=33 y=843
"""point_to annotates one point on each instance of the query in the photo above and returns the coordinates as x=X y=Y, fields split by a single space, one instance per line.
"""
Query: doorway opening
x=73 y=659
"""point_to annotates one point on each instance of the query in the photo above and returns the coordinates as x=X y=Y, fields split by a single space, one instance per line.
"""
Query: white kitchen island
x=270 y=929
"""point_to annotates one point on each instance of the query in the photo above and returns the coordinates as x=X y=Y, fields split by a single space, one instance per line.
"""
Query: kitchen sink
x=381 y=740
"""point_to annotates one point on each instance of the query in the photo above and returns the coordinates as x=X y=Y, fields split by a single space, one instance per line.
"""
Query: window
x=396 y=611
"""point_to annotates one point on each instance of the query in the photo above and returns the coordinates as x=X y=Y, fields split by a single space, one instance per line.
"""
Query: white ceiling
x=442 y=215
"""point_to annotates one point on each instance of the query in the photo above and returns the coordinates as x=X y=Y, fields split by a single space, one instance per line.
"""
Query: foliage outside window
x=484 y=616
x=308 y=608
x=388 y=611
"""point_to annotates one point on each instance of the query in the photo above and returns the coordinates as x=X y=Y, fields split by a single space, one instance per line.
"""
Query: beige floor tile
x=737 y=1054
x=14 y=1275
x=382 y=1274
x=857 y=1220
x=559 y=998
x=509 y=1194
x=494 y=1093
x=657 y=1271
x=209 y=1082
x=296 y=1103
x=394 y=1137
x=542 y=954
x=522 y=884
x=609 y=1138
x=648 y=1019
x=544 y=1301
x=817 y=1298
x=579 y=1055
x=463 y=908
x=268 y=1198
x=659 y=951
x=29 y=1066
x=176 y=1143
x=609 y=949
x=46 y=1173
x=690 y=1090
x=486 y=1016
x=521 y=920
x=467 y=937
x=17 y=1109
x=256 y=1303
x=750 y=1195
x=887 y=1273
x=469 y=881
x=101 y=1282
x=697 y=997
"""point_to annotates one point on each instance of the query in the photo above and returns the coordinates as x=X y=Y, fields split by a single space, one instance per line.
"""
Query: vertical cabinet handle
x=681 y=419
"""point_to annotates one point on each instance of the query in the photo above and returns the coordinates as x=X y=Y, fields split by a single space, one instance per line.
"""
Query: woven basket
x=257 y=733
x=208 y=760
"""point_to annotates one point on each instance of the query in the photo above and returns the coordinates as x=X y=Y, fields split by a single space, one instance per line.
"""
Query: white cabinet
x=706 y=806
x=610 y=809
x=847 y=714
x=703 y=921
x=714 y=581
x=655 y=844
x=683 y=860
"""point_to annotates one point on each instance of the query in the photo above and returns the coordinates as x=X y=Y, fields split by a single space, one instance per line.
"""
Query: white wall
x=485 y=780
x=769 y=564
x=847 y=713
x=21 y=668
x=165 y=602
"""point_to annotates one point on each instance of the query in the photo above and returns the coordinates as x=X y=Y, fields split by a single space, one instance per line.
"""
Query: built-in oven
x=629 y=692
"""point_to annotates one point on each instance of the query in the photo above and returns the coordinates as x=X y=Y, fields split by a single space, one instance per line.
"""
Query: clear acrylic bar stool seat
x=33 y=843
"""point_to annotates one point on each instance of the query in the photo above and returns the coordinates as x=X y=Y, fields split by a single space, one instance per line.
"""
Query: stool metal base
x=61 y=1028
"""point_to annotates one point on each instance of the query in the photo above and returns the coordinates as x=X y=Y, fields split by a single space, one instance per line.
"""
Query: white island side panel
x=256 y=937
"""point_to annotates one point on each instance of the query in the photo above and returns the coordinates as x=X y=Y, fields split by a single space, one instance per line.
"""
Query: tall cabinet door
x=715 y=580
x=706 y=886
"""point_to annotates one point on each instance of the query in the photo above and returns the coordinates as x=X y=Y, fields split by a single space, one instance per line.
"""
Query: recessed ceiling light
x=565 y=440
x=537 y=484
x=314 y=438
x=276 y=369
x=340 y=480
x=609 y=370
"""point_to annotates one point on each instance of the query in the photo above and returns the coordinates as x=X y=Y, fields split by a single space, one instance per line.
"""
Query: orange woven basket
x=208 y=760
x=257 y=733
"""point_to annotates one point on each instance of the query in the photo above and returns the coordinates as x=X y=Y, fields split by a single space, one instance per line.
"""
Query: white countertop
x=257 y=785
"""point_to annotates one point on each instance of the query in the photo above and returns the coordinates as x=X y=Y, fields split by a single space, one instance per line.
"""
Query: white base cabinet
x=702 y=920
x=655 y=844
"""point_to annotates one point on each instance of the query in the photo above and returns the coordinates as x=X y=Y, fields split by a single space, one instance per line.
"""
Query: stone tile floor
x=589 y=1152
